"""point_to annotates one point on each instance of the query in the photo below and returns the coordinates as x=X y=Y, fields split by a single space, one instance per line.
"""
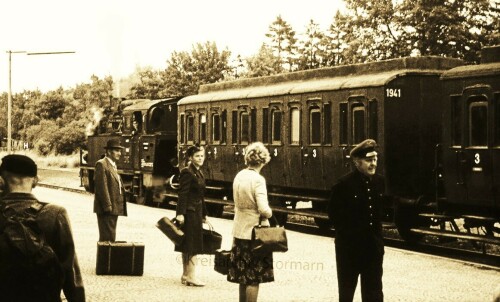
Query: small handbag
x=212 y=240
x=269 y=239
x=222 y=261
x=171 y=228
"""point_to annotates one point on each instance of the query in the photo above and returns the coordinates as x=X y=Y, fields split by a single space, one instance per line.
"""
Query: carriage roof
x=324 y=79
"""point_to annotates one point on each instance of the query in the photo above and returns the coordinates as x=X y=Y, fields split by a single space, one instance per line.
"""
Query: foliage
x=150 y=85
x=282 y=41
x=262 y=64
x=187 y=71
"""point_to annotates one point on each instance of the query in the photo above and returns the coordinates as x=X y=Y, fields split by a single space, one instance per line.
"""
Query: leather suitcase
x=120 y=258
x=170 y=228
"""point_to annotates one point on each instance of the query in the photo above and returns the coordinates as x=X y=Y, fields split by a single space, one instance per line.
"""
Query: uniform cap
x=19 y=165
x=364 y=149
x=113 y=144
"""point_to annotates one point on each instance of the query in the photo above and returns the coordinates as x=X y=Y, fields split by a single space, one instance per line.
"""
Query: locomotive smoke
x=92 y=126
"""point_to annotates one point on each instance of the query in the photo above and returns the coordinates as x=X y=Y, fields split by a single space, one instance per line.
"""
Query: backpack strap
x=35 y=208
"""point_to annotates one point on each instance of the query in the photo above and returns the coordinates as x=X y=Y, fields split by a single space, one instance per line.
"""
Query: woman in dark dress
x=191 y=213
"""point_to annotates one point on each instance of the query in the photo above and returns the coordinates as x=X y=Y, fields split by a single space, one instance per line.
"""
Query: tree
x=379 y=29
x=51 y=105
x=283 y=43
x=98 y=93
x=312 y=50
x=150 y=85
x=187 y=71
x=263 y=63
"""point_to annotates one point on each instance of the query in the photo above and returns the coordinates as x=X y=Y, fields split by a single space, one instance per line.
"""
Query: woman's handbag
x=171 y=228
x=269 y=239
x=222 y=261
x=212 y=240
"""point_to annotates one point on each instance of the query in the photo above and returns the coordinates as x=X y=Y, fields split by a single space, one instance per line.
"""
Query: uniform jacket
x=54 y=223
x=191 y=191
x=109 y=192
x=356 y=210
x=250 y=202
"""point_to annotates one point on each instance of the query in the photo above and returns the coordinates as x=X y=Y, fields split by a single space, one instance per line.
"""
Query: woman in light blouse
x=251 y=205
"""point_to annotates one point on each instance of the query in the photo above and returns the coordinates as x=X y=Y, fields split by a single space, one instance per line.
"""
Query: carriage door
x=476 y=162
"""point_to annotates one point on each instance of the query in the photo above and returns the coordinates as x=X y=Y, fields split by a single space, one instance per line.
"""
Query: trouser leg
x=347 y=277
x=107 y=227
x=371 y=280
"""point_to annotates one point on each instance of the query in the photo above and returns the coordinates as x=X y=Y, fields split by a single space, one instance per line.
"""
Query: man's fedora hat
x=113 y=144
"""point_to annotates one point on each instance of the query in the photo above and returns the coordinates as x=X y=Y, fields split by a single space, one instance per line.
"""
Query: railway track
x=472 y=255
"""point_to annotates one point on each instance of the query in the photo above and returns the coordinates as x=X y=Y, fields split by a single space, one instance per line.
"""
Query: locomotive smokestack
x=490 y=54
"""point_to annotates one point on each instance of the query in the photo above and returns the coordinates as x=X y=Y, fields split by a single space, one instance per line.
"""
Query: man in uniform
x=19 y=177
x=109 y=201
x=355 y=210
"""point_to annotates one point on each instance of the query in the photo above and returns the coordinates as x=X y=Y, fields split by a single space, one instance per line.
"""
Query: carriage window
x=265 y=125
x=372 y=107
x=456 y=121
x=234 y=127
x=478 y=124
x=294 y=126
x=190 y=128
x=327 y=124
x=203 y=128
x=496 y=118
x=216 y=137
x=276 y=124
x=224 y=127
x=358 y=124
x=245 y=122
x=343 y=123
x=182 y=129
x=315 y=126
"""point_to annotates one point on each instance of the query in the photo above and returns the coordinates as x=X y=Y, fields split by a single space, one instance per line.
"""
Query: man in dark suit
x=109 y=201
x=356 y=210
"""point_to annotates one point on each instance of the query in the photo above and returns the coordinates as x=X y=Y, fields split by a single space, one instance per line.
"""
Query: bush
x=69 y=139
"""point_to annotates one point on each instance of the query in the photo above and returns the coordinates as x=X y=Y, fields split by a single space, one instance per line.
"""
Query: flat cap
x=113 y=144
x=19 y=165
x=364 y=149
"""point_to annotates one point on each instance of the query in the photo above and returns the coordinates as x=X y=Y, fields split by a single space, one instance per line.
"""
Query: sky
x=112 y=37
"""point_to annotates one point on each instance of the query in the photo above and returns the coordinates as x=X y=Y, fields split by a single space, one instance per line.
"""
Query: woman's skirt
x=247 y=268
x=193 y=234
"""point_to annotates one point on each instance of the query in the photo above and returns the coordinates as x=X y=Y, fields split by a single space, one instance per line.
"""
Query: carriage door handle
x=461 y=162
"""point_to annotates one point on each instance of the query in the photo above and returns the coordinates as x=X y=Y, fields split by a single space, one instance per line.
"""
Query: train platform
x=307 y=272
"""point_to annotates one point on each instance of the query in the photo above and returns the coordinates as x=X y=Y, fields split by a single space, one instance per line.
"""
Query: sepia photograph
x=279 y=150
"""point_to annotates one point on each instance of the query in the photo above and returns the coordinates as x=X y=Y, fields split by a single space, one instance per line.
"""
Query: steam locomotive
x=437 y=123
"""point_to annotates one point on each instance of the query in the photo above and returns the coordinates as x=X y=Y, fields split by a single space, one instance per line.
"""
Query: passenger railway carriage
x=311 y=119
x=437 y=123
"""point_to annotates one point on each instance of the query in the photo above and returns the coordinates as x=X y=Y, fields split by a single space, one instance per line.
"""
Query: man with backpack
x=37 y=251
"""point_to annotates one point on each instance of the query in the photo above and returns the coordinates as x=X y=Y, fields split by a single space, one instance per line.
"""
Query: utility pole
x=9 y=100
